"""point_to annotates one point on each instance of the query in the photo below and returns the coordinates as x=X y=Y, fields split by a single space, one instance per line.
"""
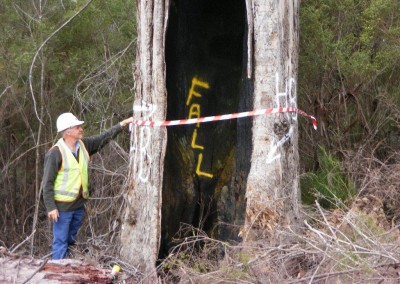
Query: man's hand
x=126 y=122
x=53 y=215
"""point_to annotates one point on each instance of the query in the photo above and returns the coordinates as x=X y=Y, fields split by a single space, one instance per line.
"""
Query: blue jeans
x=65 y=231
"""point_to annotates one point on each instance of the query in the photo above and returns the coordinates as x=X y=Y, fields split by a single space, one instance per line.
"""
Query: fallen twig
x=331 y=274
x=36 y=271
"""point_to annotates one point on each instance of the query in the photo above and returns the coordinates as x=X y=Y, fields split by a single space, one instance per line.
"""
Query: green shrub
x=329 y=185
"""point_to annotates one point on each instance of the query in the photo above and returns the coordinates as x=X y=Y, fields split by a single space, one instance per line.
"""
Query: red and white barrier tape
x=226 y=117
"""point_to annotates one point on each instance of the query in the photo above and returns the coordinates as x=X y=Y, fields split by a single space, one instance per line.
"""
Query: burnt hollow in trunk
x=206 y=165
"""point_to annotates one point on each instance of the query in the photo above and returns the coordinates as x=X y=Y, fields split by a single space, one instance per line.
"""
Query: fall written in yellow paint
x=195 y=112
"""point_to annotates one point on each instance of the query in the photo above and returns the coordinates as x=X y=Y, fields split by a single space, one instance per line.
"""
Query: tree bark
x=221 y=163
x=272 y=190
x=140 y=234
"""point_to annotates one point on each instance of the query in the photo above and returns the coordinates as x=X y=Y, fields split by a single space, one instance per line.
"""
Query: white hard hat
x=67 y=120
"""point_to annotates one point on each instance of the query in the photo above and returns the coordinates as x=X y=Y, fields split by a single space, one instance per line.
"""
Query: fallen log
x=25 y=269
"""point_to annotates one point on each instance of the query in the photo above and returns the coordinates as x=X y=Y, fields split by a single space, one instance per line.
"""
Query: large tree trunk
x=141 y=225
x=272 y=186
x=221 y=57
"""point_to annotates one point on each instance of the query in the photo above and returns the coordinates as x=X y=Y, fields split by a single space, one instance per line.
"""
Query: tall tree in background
x=267 y=171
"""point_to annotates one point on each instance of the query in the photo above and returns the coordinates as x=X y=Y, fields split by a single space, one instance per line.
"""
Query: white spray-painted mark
x=276 y=145
x=144 y=155
x=141 y=143
x=288 y=98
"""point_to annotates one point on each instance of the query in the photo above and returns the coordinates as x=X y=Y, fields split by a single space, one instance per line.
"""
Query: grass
x=328 y=185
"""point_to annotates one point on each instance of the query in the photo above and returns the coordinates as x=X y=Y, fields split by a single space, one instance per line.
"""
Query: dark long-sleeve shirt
x=52 y=164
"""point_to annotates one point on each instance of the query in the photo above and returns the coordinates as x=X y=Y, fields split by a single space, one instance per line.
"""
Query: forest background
x=59 y=56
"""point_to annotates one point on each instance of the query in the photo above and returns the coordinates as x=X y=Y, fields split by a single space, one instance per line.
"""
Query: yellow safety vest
x=72 y=175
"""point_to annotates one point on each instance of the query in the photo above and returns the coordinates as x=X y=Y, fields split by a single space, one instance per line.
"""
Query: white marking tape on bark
x=226 y=117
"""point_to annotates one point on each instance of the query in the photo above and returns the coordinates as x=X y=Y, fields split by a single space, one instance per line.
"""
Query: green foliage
x=102 y=30
x=350 y=35
x=349 y=55
x=328 y=184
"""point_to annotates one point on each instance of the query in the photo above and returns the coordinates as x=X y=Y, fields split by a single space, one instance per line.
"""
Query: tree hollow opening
x=206 y=165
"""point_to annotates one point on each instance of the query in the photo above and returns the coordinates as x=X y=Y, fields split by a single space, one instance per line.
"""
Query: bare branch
x=40 y=48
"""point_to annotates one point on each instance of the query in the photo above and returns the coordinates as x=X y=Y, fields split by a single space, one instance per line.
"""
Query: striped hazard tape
x=226 y=117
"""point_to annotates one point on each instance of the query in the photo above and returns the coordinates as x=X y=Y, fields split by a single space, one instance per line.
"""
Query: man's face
x=76 y=132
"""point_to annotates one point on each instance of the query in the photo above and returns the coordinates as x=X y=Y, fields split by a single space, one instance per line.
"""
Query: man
x=65 y=178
